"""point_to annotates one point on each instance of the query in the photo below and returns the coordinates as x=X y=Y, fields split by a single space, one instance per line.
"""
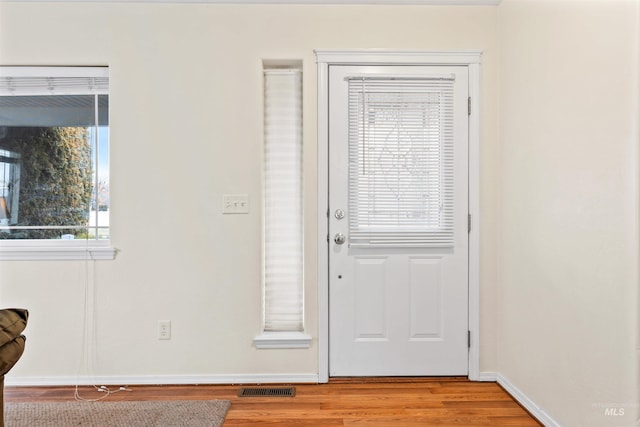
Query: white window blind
x=283 y=291
x=401 y=161
x=54 y=96
x=26 y=81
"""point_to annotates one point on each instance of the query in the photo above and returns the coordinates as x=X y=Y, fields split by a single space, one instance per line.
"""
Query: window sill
x=56 y=250
x=282 y=340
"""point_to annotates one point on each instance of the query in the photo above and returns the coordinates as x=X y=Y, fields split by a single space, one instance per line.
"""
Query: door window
x=401 y=161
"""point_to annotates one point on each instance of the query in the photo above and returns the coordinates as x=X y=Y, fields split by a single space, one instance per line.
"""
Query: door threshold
x=365 y=380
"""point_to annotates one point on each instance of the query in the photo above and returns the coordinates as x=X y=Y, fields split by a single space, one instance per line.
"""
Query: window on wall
x=54 y=162
x=283 y=230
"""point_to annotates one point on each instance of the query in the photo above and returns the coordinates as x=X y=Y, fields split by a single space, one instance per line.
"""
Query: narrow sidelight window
x=283 y=248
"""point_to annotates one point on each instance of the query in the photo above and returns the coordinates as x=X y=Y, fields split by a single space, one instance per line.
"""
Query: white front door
x=398 y=213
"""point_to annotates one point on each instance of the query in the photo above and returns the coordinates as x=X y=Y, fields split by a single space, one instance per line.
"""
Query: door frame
x=325 y=59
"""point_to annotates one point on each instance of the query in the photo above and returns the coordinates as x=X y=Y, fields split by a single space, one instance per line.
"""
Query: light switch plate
x=235 y=203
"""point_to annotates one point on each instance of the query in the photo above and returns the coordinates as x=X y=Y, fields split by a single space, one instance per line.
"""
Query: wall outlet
x=164 y=329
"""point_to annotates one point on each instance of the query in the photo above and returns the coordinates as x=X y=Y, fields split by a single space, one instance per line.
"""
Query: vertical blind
x=283 y=273
x=401 y=161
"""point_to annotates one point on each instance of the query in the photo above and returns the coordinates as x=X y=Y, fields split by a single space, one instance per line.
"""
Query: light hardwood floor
x=391 y=402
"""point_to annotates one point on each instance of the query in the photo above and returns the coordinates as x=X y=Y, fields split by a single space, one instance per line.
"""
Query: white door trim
x=326 y=58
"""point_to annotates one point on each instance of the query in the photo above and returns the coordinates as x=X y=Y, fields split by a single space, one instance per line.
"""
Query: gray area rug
x=187 y=413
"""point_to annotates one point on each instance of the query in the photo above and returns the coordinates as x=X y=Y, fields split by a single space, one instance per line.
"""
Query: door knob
x=339 y=239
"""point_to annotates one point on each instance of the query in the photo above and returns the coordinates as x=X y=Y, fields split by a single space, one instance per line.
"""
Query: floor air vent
x=267 y=392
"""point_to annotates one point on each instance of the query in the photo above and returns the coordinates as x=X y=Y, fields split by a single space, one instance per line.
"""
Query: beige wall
x=569 y=248
x=186 y=127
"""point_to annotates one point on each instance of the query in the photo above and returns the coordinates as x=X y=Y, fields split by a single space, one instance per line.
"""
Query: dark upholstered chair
x=12 y=323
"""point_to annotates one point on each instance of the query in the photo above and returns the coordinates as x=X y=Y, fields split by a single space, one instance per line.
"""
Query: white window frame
x=54 y=250
x=283 y=320
x=327 y=58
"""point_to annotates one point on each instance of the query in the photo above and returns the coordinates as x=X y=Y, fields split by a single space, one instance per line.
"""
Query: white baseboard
x=529 y=404
x=162 y=380
x=487 y=376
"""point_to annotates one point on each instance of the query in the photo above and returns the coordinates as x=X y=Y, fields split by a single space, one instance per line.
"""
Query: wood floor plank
x=302 y=422
x=419 y=422
x=388 y=402
x=520 y=421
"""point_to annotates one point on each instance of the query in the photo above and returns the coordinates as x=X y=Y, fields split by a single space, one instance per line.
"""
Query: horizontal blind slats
x=400 y=162
x=23 y=86
x=283 y=294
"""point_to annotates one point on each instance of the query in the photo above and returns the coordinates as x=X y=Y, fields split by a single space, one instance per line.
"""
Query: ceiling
x=333 y=2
